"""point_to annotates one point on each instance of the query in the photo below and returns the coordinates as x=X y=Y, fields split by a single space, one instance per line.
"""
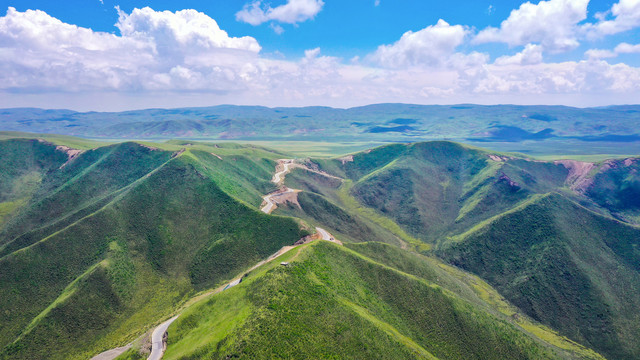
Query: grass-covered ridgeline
x=24 y=163
x=104 y=278
x=98 y=247
x=564 y=266
x=332 y=302
x=438 y=189
x=616 y=187
x=79 y=188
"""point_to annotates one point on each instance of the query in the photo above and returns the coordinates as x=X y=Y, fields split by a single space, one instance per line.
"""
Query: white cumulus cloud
x=431 y=46
x=625 y=48
x=600 y=54
x=530 y=55
x=553 y=24
x=171 y=58
x=179 y=31
x=294 y=11
x=155 y=50
x=626 y=16
x=622 y=48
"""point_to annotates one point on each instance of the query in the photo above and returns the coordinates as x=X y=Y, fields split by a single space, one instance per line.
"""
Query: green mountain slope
x=23 y=164
x=438 y=189
x=616 y=187
x=104 y=278
x=99 y=244
x=332 y=302
x=565 y=266
x=79 y=188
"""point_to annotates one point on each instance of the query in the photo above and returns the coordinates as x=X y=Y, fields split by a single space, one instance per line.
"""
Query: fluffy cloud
x=294 y=11
x=625 y=48
x=164 y=56
x=622 y=48
x=553 y=24
x=180 y=31
x=600 y=54
x=430 y=46
x=626 y=16
x=583 y=78
x=532 y=54
x=156 y=50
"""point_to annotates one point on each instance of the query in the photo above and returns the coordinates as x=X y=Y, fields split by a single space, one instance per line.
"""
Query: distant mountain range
x=380 y=122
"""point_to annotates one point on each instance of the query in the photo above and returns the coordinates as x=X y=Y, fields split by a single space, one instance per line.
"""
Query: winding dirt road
x=286 y=164
x=111 y=354
x=284 y=194
x=158 y=343
x=157 y=339
x=326 y=236
x=280 y=196
x=271 y=200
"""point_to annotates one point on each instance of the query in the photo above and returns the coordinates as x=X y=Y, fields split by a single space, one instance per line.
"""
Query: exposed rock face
x=346 y=159
x=498 y=158
x=507 y=180
x=578 y=178
x=71 y=153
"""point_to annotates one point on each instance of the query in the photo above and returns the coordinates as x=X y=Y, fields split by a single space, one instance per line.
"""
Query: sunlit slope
x=103 y=277
x=516 y=223
x=333 y=302
x=322 y=203
x=565 y=266
x=79 y=188
x=23 y=164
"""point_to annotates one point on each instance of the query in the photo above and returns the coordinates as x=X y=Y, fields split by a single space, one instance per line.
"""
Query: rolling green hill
x=127 y=240
x=516 y=223
x=616 y=187
x=450 y=252
x=564 y=266
x=334 y=302
x=541 y=130
x=438 y=189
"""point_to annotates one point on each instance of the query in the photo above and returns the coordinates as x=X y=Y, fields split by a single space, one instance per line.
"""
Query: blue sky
x=317 y=52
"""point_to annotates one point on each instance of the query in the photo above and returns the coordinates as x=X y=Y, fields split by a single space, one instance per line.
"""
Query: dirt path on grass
x=279 y=196
x=112 y=354
x=285 y=194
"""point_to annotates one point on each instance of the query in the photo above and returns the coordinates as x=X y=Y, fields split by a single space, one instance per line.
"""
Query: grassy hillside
x=106 y=276
x=565 y=266
x=23 y=164
x=98 y=245
x=489 y=213
x=538 y=128
x=78 y=189
x=319 y=204
x=438 y=189
x=616 y=187
x=332 y=302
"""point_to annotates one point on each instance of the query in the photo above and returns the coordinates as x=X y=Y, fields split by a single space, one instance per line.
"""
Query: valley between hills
x=216 y=250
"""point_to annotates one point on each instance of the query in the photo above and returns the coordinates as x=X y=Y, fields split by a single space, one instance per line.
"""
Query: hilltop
x=450 y=251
